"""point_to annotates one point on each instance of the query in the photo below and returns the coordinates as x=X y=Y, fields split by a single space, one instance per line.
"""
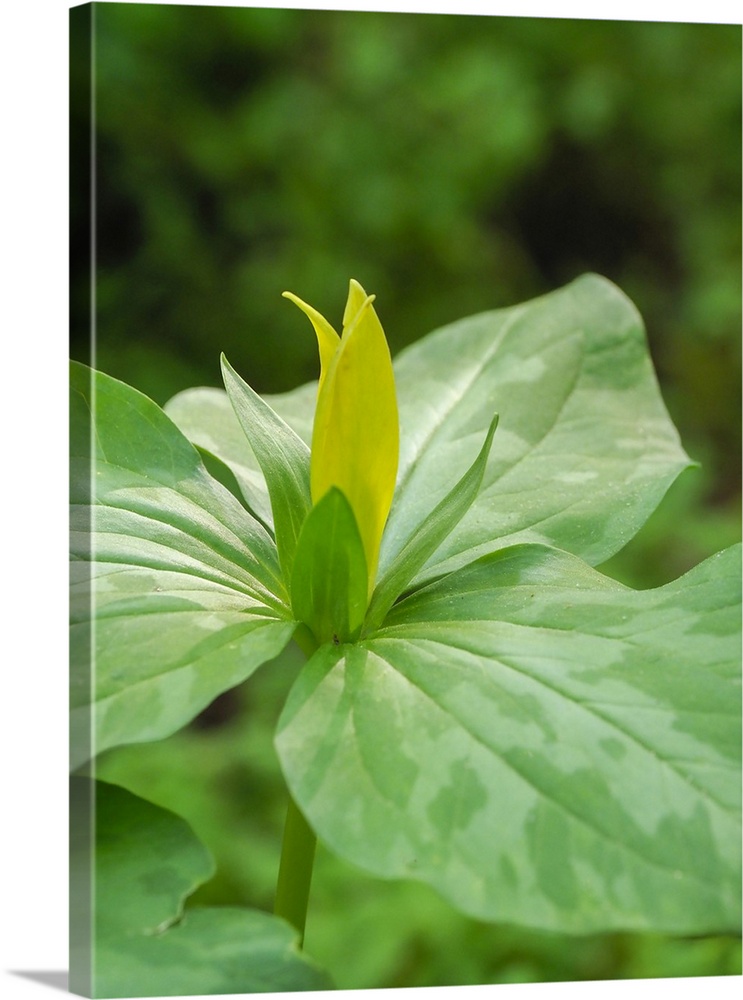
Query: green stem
x=295 y=869
x=298 y=846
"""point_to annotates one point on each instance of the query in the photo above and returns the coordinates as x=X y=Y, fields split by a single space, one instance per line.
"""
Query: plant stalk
x=295 y=870
x=298 y=846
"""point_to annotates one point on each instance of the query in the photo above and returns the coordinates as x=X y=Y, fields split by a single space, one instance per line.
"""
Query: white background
x=33 y=891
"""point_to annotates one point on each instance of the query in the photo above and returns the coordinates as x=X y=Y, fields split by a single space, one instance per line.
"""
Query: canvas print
x=405 y=481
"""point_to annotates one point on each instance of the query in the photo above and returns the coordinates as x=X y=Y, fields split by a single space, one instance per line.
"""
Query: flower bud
x=355 y=439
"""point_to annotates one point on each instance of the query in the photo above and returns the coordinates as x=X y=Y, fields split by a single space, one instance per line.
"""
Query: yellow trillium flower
x=355 y=438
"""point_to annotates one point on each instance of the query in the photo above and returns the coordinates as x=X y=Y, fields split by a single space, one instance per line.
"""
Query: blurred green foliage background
x=452 y=164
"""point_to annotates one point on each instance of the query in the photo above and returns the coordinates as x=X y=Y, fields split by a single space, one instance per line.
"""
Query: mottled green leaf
x=541 y=744
x=142 y=942
x=585 y=448
x=176 y=592
x=284 y=460
x=329 y=582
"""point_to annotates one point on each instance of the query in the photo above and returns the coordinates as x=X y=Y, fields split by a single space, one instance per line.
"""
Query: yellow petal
x=355 y=441
x=328 y=340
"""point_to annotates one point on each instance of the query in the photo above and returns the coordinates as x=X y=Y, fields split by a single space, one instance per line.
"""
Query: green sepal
x=329 y=579
x=220 y=471
x=284 y=459
x=432 y=532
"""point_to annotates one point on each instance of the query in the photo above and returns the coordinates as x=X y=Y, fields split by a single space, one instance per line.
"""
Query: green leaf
x=329 y=582
x=176 y=592
x=284 y=459
x=439 y=523
x=541 y=744
x=147 y=862
x=585 y=448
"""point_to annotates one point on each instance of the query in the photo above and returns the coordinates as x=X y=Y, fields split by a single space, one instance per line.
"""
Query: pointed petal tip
x=351 y=324
x=356 y=302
